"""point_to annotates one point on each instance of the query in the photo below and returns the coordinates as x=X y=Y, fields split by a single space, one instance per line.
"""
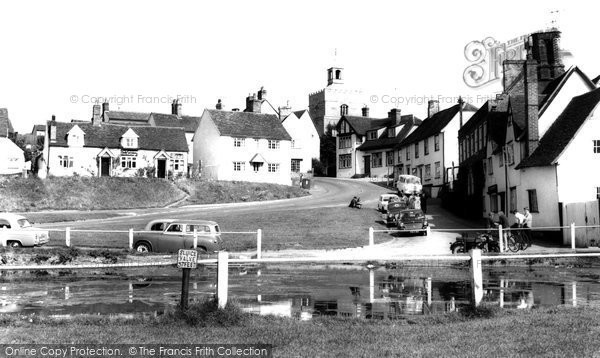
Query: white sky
x=52 y=51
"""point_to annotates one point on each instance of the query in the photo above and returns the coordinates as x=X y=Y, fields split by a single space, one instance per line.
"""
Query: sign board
x=129 y=153
x=187 y=258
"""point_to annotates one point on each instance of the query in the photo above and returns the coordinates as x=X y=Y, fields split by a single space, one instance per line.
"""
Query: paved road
x=325 y=192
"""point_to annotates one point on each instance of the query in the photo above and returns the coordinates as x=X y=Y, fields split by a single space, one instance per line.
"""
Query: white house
x=565 y=167
x=12 y=160
x=431 y=151
x=242 y=146
x=305 y=140
x=101 y=149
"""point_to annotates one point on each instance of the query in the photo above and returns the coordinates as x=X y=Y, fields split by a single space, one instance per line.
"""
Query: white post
x=501 y=293
x=371 y=239
x=500 y=238
x=130 y=239
x=258 y=243
x=222 y=278
x=371 y=286
x=572 y=236
x=195 y=238
x=429 y=288
x=428 y=231
x=68 y=236
x=476 y=276
x=574 y=293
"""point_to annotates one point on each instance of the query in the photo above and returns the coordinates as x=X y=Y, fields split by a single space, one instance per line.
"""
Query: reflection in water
x=298 y=292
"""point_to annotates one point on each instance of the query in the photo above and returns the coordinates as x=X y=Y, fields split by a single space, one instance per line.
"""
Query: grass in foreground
x=559 y=331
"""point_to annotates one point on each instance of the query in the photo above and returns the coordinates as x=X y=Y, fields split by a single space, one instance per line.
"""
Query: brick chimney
x=433 y=106
x=252 y=104
x=284 y=111
x=96 y=115
x=176 y=108
x=544 y=47
x=52 y=130
x=343 y=110
x=219 y=105
x=365 y=111
x=395 y=115
x=105 y=107
x=532 y=107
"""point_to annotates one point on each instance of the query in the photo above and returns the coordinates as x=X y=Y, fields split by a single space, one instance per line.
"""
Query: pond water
x=301 y=292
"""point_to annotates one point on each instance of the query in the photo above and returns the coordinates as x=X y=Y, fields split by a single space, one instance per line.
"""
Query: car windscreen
x=23 y=223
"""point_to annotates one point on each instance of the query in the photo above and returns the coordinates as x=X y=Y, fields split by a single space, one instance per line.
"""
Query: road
x=325 y=192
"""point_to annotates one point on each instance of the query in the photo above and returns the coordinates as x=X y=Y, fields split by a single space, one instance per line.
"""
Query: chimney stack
x=284 y=111
x=262 y=94
x=395 y=115
x=176 y=108
x=531 y=103
x=365 y=111
x=252 y=104
x=433 y=106
x=219 y=105
x=96 y=114
x=105 y=108
x=343 y=110
x=52 y=130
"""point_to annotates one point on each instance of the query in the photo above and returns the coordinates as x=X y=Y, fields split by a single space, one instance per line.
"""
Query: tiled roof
x=38 y=128
x=563 y=130
x=300 y=113
x=5 y=123
x=109 y=135
x=407 y=123
x=434 y=124
x=170 y=120
x=248 y=124
x=363 y=124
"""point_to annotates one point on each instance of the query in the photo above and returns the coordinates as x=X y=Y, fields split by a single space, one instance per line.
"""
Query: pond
x=298 y=291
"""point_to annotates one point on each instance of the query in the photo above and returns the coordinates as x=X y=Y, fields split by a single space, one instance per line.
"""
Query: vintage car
x=384 y=199
x=16 y=231
x=412 y=220
x=170 y=235
x=409 y=184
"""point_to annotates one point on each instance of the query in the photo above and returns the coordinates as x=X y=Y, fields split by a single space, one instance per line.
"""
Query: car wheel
x=201 y=250
x=458 y=250
x=143 y=247
x=14 y=244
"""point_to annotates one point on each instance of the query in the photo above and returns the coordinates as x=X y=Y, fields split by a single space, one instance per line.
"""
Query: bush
x=207 y=314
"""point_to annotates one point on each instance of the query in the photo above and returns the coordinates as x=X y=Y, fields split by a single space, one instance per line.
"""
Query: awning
x=257 y=158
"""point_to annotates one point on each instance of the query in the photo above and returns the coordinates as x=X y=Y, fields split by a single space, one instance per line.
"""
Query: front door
x=367 y=159
x=162 y=168
x=105 y=166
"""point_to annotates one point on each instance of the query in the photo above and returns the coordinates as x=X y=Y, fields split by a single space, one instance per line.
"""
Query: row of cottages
x=12 y=160
x=501 y=145
x=431 y=151
x=244 y=146
x=101 y=149
x=367 y=146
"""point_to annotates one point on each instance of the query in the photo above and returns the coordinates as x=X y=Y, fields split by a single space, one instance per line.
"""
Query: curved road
x=325 y=192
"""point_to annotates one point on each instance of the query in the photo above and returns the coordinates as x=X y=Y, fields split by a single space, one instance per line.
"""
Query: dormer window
x=372 y=135
x=129 y=140
x=75 y=137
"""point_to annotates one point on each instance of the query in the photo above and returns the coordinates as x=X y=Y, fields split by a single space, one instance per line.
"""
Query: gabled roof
x=300 y=113
x=38 y=128
x=361 y=125
x=407 y=123
x=5 y=124
x=549 y=92
x=188 y=123
x=109 y=136
x=435 y=124
x=248 y=125
x=596 y=80
x=562 y=131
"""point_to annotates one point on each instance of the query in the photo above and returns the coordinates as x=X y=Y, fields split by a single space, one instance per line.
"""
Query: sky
x=59 y=57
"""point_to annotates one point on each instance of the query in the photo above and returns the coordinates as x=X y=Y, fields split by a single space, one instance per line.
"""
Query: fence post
x=68 y=236
x=222 y=278
x=258 y=243
x=428 y=231
x=500 y=238
x=476 y=276
x=195 y=238
x=371 y=239
x=572 y=236
x=130 y=239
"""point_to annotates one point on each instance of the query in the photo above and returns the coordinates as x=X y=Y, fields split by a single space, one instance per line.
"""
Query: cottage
x=12 y=160
x=102 y=149
x=245 y=146
x=305 y=139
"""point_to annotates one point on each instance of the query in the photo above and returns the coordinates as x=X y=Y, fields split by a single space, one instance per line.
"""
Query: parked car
x=413 y=220
x=409 y=184
x=170 y=235
x=384 y=199
x=16 y=231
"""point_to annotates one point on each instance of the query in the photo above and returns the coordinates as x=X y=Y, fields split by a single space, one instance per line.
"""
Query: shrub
x=207 y=314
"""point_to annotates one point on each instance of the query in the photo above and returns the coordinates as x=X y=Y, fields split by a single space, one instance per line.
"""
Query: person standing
x=527 y=224
x=519 y=219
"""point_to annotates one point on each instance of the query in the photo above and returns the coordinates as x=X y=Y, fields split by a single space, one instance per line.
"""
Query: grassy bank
x=559 y=332
x=91 y=193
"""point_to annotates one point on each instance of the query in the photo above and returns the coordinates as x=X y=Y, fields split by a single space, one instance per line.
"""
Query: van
x=409 y=184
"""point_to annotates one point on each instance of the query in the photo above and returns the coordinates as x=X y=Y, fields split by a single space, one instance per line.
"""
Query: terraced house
x=431 y=151
x=366 y=146
x=101 y=149
x=247 y=146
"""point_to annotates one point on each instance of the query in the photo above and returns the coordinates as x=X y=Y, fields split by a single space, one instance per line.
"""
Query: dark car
x=412 y=220
x=170 y=235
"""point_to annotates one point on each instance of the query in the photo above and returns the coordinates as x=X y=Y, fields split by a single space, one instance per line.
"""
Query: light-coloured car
x=17 y=231
x=409 y=184
x=170 y=235
x=384 y=199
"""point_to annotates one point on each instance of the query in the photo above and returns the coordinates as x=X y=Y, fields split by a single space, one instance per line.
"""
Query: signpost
x=186 y=260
